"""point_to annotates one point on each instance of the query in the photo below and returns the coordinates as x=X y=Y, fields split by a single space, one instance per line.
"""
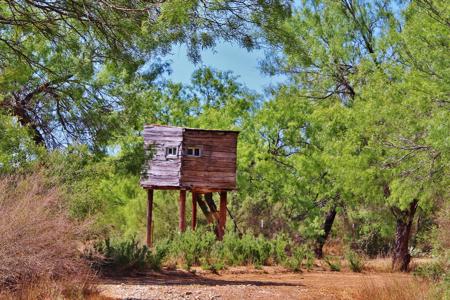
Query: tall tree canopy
x=63 y=62
x=374 y=76
x=358 y=132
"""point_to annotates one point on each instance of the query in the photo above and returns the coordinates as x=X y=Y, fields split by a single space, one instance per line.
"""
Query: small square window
x=171 y=151
x=194 y=151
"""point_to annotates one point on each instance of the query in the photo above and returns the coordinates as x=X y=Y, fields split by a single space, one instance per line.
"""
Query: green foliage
x=359 y=128
x=435 y=271
x=200 y=248
x=156 y=256
x=279 y=248
x=308 y=258
x=360 y=124
x=333 y=263
x=17 y=150
x=301 y=257
x=191 y=246
x=213 y=262
x=355 y=261
x=246 y=250
x=123 y=255
x=373 y=231
x=129 y=254
x=74 y=80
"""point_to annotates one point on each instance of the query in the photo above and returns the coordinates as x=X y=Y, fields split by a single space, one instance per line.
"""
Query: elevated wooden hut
x=189 y=159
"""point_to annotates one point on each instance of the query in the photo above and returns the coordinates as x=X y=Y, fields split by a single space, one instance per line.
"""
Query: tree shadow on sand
x=179 y=277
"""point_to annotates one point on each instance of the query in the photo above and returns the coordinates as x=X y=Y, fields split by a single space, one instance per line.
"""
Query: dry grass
x=38 y=240
x=393 y=289
x=69 y=288
x=334 y=247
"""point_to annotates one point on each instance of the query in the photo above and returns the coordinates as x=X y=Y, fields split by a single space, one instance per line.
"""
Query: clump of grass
x=333 y=263
x=356 y=262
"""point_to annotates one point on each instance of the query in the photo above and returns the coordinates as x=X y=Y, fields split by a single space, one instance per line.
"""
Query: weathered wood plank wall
x=161 y=170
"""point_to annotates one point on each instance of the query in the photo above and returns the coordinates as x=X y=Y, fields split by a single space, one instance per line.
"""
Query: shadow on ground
x=179 y=277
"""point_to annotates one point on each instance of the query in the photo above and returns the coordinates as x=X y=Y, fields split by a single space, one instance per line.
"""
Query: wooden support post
x=182 y=216
x=194 y=210
x=222 y=214
x=149 y=217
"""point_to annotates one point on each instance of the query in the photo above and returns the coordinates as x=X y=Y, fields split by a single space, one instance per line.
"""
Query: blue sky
x=225 y=57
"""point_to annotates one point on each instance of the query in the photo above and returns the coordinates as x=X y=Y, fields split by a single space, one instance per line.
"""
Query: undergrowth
x=200 y=248
x=355 y=261
x=333 y=263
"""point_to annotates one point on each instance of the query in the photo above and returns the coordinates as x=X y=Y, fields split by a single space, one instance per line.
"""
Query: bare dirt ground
x=247 y=283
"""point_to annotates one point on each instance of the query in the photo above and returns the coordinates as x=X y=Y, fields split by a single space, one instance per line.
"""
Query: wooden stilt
x=222 y=214
x=194 y=210
x=182 y=216
x=149 y=217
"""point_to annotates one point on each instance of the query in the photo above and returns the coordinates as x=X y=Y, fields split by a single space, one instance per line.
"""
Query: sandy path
x=242 y=284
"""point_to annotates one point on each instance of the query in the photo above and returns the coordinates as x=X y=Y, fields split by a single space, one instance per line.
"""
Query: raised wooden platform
x=215 y=216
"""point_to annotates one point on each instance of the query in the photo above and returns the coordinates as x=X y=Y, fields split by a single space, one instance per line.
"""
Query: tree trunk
x=329 y=220
x=212 y=206
x=26 y=121
x=405 y=218
x=204 y=208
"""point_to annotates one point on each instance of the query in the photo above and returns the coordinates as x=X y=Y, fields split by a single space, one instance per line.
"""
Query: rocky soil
x=243 y=283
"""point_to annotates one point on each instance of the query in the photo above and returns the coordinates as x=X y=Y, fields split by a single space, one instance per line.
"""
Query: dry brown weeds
x=393 y=289
x=38 y=239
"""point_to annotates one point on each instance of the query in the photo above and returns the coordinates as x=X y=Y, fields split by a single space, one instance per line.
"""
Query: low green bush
x=127 y=255
x=279 y=251
x=301 y=257
x=309 y=258
x=122 y=255
x=188 y=248
x=246 y=250
x=200 y=248
x=294 y=261
x=333 y=263
x=355 y=261
x=212 y=264
x=156 y=256
x=433 y=270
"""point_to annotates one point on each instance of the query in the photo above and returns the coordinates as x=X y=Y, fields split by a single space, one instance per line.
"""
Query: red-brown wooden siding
x=216 y=167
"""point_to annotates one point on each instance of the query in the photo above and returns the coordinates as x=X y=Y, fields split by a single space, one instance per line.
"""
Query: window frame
x=194 y=150
x=171 y=149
